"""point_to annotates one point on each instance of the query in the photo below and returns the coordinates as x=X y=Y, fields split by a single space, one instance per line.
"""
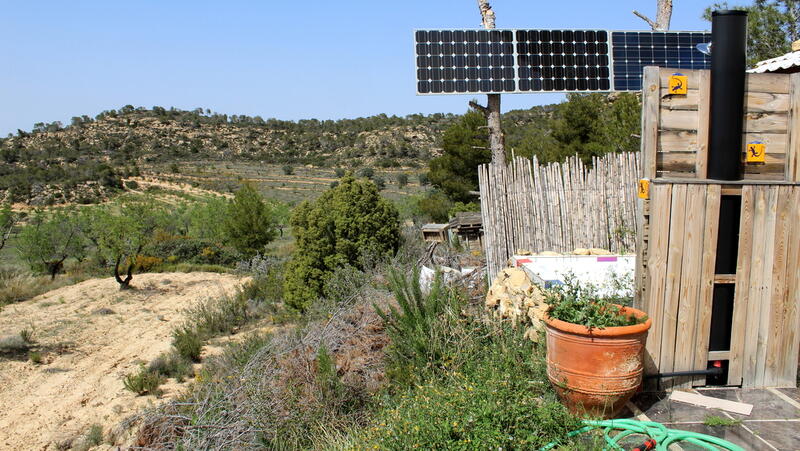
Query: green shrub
x=188 y=342
x=171 y=364
x=416 y=327
x=402 y=180
x=144 y=382
x=336 y=230
x=131 y=185
x=436 y=205
x=35 y=357
x=250 y=223
x=459 y=381
x=287 y=170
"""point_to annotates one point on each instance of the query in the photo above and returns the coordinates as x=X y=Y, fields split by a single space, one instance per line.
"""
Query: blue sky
x=282 y=59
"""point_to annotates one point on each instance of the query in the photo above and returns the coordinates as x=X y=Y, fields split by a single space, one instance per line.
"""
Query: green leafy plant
x=415 y=327
x=578 y=303
x=187 y=342
x=35 y=357
x=171 y=364
x=717 y=421
x=145 y=382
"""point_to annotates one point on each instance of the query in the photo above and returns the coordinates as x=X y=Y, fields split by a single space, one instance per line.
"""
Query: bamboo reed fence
x=558 y=207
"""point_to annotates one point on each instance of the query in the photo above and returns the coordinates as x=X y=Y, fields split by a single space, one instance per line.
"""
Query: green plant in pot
x=595 y=348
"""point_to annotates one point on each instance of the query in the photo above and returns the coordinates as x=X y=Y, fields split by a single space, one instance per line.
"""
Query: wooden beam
x=741 y=291
x=661 y=198
x=793 y=149
x=724 y=278
x=672 y=293
x=718 y=355
x=707 y=279
x=651 y=101
x=703 y=124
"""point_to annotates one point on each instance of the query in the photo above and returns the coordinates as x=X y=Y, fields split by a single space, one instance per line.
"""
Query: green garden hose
x=657 y=431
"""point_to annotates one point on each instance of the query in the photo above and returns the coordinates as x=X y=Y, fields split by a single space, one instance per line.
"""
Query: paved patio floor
x=774 y=423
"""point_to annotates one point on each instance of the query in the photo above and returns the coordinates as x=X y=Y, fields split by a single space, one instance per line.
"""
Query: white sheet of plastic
x=598 y=270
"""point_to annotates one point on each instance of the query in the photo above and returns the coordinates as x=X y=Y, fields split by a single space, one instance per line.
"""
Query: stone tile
x=793 y=393
x=659 y=408
x=783 y=435
x=766 y=405
x=734 y=434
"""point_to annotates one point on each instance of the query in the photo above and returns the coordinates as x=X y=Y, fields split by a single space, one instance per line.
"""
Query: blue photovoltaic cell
x=519 y=61
x=633 y=50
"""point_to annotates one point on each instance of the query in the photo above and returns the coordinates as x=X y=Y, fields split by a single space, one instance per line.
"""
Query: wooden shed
x=435 y=232
x=719 y=298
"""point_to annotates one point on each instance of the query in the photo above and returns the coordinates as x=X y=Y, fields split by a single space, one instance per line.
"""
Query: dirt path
x=91 y=335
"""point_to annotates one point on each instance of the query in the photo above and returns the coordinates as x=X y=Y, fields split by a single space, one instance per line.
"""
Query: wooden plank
x=691 y=274
x=765 y=102
x=703 y=125
x=650 y=119
x=728 y=183
x=677 y=120
x=688 y=162
x=741 y=291
x=686 y=141
x=790 y=339
x=688 y=101
x=778 y=296
x=711 y=402
x=754 y=102
x=724 y=278
x=771 y=83
x=718 y=355
x=753 y=334
x=661 y=201
x=707 y=279
x=673 y=281
x=766 y=123
x=793 y=149
x=692 y=75
x=763 y=262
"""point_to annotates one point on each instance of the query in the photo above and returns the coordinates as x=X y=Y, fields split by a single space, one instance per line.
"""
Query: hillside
x=89 y=336
x=88 y=157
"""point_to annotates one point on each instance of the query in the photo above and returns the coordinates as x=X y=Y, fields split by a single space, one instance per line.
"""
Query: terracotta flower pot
x=596 y=371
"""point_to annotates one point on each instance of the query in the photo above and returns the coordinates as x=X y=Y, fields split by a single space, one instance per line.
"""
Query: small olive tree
x=334 y=231
x=49 y=239
x=8 y=219
x=122 y=235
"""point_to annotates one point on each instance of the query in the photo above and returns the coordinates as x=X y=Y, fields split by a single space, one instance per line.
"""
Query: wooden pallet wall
x=679 y=126
x=683 y=222
x=766 y=314
x=680 y=281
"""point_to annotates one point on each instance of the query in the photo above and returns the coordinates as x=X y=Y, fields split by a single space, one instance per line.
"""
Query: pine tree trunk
x=492 y=110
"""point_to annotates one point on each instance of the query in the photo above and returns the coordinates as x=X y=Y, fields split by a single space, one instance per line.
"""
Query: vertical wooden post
x=703 y=126
x=651 y=86
x=793 y=149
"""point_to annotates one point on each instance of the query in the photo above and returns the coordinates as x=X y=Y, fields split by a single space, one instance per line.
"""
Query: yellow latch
x=643 y=189
x=756 y=152
x=678 y=83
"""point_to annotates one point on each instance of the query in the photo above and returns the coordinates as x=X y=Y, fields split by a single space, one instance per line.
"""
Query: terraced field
x=273 y=182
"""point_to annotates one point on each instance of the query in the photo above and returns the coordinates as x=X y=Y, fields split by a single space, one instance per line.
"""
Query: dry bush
x=272 y=390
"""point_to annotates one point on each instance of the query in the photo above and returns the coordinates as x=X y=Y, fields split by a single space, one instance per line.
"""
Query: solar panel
x=520 y=61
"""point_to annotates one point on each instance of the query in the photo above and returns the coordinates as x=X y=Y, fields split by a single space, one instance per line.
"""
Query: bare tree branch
x=479 y=107
x=649 y=21
x=663 y=16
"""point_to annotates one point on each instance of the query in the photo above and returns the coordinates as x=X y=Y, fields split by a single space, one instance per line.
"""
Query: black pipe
x=708 y=372
x=728 y=65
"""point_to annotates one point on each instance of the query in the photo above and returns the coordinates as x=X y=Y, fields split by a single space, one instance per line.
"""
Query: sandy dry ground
x=87 y=351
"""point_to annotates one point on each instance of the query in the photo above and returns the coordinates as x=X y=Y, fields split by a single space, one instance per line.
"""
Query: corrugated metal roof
x=783 y=62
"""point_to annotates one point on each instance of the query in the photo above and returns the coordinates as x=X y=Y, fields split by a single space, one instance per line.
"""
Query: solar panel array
x=518 y=61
